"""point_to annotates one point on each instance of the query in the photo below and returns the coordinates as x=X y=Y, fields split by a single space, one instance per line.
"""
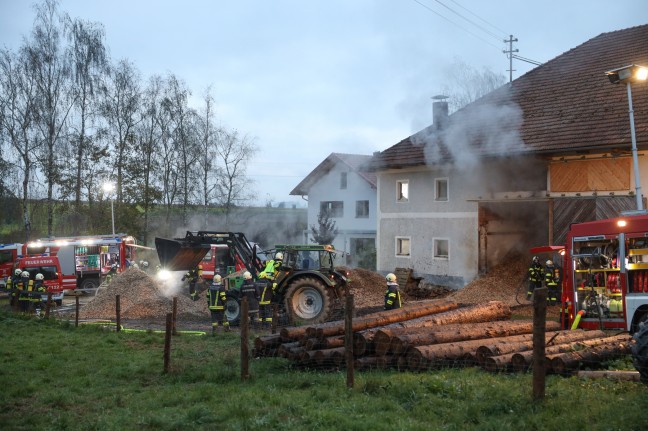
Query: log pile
x=441 y=333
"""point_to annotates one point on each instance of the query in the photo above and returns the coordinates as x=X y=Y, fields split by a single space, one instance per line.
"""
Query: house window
x=441 y=189
x=402 y=247
x=332 y=208
x=362 y=209
x=343 y=180
x=402 y=191
x=441 y=248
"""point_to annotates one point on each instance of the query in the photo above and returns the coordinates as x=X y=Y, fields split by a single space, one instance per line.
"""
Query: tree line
x=73 y=120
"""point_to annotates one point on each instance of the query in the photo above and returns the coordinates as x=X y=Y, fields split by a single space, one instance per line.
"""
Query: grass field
x=58 y=377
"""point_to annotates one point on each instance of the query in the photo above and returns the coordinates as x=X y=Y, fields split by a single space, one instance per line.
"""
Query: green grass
x=58 y=377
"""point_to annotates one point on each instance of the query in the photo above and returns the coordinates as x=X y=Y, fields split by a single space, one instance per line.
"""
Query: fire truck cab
x=606 y=274
x=50 y=267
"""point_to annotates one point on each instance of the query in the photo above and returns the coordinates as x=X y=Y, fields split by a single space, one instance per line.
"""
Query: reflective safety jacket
x=39 y=289
x=250 y=291
x=271 y=269
x=392 y=296
x=216 y=296
x=553 y=276
x=535 y=273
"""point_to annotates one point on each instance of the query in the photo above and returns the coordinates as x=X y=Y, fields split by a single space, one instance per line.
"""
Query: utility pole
x=510 y=55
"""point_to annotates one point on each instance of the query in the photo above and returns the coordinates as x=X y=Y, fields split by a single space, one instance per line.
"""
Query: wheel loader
x=308 y=287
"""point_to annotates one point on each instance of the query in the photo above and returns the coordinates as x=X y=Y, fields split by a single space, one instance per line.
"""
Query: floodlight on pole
x=109 y=188
x=627 y=75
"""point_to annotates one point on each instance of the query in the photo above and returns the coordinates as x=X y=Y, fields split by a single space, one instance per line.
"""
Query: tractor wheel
x=233 y=311
x=640 y=351
x=307 y=300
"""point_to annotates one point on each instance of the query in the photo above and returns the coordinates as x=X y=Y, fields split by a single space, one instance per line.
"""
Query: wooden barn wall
x=590 y=175
x=567 y=211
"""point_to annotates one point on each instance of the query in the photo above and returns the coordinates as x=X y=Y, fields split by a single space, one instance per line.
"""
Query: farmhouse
x=513 y=169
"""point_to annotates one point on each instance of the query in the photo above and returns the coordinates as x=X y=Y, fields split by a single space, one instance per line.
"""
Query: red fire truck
x=220 y=260
x=605 y=284
x=8 y=255
x=85 y=259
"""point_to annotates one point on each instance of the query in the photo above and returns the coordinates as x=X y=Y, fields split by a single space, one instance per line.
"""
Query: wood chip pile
x=140 y=298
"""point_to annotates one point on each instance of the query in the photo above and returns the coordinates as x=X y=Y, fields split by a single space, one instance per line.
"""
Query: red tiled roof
x=565 y=106
x=356 y=162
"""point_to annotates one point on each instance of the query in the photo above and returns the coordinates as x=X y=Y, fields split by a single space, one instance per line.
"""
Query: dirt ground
x=145 y=302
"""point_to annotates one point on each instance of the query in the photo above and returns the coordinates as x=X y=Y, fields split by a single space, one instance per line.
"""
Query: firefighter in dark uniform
x=535 y=276
x=111 y=273
x=38 y=291
x=194 y=276
x=553 y=281
x=216 y=299
x=250 y=291
x=269 y=274
x=392 y=294
x=25 y=285
x=12 y=284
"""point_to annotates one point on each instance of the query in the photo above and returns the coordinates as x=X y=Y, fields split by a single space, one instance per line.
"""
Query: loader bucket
x=179 y=255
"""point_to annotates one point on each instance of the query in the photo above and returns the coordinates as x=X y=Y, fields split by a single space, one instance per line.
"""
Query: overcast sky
x=309 y=77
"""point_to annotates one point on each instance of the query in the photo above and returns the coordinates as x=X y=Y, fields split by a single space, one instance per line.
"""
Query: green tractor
x=309 y=289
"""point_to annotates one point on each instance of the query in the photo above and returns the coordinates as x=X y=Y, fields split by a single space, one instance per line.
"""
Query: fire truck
x=85 y=259
x=605 y=284
x=8 y=255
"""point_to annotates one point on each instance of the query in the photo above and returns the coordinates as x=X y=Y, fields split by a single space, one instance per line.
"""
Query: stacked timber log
x=438 y=333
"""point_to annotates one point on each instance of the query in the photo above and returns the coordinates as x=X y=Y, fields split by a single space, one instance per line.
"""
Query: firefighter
x=250 y=291
x=535 y=277
x=392 y=294
x=194 y=276
x=39 y=290
x=216 y=298
x=111 y=273
x=12 y=284
x=553 y=280
x=268 y=295
x=25 y=285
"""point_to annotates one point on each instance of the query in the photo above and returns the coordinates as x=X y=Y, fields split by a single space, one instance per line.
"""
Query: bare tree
x=234 y=187
x=17 y=92
x=208 y=152
x=120 y=108
x=89 y=60
x=467 y=84
x=51 y=73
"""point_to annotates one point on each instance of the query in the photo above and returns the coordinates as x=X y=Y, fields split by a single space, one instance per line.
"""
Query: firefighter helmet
x=279 y=256
x=18 y=271
x=40 y=276
x=25 y=274
x=549 y=263
x=218 y=278
x=247 y=275
x=390 y=277
x=535 y=259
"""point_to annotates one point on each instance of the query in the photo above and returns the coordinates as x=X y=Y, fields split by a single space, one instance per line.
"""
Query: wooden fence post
x=118 y=313
x=76 y=311
x=167 y=343
x=539 y=325
x=348 y=339
x=245 y=328
x=275 y=317
x=48 y=305
x=175 y=316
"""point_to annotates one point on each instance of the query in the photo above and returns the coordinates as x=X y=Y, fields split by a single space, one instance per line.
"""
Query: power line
x=478 y=17
x=485 y=30
x=528 y=60
x=454 y=23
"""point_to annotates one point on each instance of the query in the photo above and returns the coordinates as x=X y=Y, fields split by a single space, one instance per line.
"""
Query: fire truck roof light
x=622 y=223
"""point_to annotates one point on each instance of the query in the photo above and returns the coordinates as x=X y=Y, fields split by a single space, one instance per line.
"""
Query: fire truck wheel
x=640 y=351
x=308 y=300
x=90 y=285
